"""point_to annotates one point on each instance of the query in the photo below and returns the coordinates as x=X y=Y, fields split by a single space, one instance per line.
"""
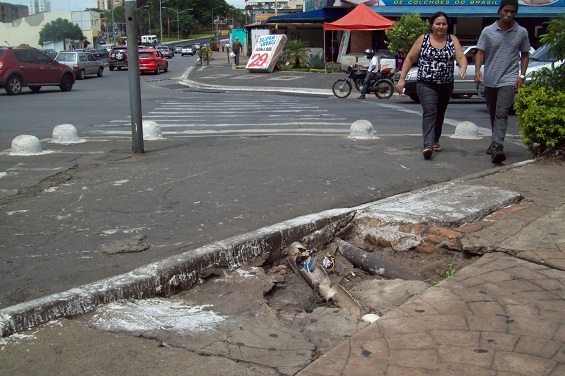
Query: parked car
x=100 y=53
x=166 y=51
x=178 y=49
x=188 y=50
x=27 y=66
x=118 y=58
x=82 y=63
x=152 y=60
x=51 y=52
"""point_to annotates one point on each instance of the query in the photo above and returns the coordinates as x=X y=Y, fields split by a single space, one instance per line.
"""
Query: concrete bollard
x=466 y=130
x=361 y=129
x=152 y=130
x=26 y=145
x=65 y=134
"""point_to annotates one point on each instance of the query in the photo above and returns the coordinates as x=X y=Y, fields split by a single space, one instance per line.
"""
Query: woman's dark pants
x=434 y=99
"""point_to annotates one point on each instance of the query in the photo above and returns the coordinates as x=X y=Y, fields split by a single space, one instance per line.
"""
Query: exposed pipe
x=372 y=263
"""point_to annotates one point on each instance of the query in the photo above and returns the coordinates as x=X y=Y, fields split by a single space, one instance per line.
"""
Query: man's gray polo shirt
x=502 y=53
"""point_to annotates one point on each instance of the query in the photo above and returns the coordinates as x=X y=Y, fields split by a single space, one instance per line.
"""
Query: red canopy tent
x=360 y=18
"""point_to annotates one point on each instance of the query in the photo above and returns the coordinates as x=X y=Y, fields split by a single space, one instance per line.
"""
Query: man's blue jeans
x=366 y=82
x=499 y=101
x=434 y=99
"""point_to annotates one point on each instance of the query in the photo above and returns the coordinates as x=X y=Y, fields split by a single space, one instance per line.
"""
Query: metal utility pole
x=133 y=76
x=113 y=25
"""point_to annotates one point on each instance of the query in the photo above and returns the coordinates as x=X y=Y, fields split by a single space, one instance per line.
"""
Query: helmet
x=370 y=53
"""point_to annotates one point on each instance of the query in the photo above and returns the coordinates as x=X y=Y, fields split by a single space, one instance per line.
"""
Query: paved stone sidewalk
x=499 y=316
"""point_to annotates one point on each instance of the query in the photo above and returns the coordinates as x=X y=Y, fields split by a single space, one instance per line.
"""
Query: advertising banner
x=266 y=53
x=318 y=4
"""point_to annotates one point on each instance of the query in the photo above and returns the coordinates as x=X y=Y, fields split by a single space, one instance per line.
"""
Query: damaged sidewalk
x=501 y=311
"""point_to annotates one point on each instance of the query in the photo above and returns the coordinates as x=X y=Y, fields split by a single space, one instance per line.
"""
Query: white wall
x=26 y=30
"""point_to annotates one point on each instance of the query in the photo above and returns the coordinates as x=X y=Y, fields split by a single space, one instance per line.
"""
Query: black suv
x=27 y=66
x=118 y=58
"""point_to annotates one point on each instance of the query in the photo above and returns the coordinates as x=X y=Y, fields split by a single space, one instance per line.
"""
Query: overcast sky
x=73 y=5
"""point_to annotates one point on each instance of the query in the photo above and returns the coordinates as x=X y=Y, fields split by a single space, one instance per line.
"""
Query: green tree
x=58 y=30
x=405 y=32
x=296 y=51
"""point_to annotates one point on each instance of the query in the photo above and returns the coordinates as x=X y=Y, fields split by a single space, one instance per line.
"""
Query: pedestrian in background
x=503 y=47
x=236 y=48
x=435 y=53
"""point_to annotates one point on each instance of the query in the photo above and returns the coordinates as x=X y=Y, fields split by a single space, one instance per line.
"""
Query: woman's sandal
x=427 y=152
x=437 y=147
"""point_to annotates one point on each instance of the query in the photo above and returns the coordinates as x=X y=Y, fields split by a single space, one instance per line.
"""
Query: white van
x=149 y=39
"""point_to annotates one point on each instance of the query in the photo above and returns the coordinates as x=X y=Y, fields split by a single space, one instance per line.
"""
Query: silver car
x=166 y=51
x=82 y=63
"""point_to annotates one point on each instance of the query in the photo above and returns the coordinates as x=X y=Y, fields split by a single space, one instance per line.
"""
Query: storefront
x=468 y=17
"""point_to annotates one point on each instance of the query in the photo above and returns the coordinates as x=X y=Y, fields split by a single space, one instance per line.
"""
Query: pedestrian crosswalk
x=192 y=116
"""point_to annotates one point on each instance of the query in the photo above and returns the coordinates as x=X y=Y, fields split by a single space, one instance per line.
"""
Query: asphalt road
x=232 y=162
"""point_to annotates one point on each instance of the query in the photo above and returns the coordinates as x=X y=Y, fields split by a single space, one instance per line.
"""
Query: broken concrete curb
x=169 y=276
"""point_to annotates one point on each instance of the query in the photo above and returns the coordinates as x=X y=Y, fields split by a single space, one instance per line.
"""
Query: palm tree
x=296 y=51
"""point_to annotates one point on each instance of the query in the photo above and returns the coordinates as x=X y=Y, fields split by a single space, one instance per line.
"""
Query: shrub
x=295 y=52
x=316 y=61
x=541 y=115
x=540 y=106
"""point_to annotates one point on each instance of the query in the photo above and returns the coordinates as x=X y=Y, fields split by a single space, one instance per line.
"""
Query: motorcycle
x=381 y=83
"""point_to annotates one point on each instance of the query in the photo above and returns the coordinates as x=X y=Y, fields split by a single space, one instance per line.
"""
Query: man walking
x=503 y=47
x=236 y=48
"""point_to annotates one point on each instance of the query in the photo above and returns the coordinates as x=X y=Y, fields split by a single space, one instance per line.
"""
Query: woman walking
x=435 y=53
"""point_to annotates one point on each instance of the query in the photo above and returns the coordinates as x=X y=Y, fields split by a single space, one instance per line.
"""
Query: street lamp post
x=161 y=18
x=148 y=18
x=178 y=20
x=214 y=30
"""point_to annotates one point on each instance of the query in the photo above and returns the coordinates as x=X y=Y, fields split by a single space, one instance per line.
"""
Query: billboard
x=319 y=4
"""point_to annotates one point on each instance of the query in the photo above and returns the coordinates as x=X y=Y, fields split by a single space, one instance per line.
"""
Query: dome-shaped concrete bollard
x=361 y=129
x=466 y=130
x=152 y=130
x=65 y=134
x=26 y=145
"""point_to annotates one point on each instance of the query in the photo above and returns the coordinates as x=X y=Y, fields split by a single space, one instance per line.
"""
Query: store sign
x=266 y=53
x=318 y=4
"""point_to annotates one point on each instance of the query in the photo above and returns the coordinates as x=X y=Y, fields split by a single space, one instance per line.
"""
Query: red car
x=152 y=61
x=26 y=66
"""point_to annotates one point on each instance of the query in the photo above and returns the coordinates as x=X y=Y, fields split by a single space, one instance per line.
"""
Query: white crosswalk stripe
x=232 y=117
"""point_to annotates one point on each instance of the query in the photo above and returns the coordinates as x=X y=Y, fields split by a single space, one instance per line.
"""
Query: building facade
x=11 y=12
x=38 y=6
x=26 y=30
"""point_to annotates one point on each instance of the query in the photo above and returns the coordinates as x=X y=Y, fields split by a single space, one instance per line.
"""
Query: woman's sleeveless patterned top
x=436 y=66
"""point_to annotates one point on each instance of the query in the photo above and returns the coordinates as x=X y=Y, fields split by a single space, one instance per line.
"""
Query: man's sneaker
x=361 y=96
x=497 y=155
x=489 y=150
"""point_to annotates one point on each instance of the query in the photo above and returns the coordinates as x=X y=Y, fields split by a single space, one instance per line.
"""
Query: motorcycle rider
x=373 y=68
